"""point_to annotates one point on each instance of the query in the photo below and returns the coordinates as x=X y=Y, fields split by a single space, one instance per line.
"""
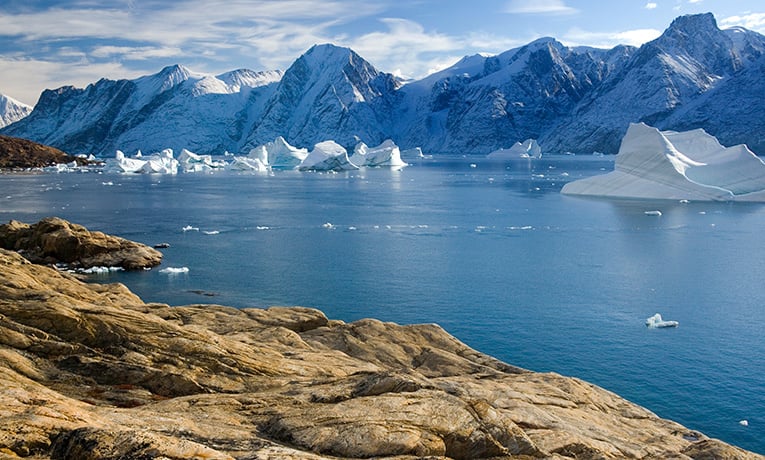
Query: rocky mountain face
x=12 y=110
x=571 y=99
x=89 y=371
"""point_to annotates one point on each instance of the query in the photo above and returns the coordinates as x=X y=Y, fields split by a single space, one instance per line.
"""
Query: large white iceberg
x=247 y=164
x=327 y=156
x=690 y=165
x=385 y=154
x=279 y=154
x=657 y=321
x=528 y=149
x=122 y=164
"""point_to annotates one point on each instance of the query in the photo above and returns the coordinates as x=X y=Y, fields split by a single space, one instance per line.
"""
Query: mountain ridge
x=572 y=99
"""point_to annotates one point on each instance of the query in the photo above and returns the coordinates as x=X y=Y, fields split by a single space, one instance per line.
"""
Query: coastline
x=91 y=371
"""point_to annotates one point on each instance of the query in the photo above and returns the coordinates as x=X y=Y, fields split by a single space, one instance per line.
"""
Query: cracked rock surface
x=90 y=371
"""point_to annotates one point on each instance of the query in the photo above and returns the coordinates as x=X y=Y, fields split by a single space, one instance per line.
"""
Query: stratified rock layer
x=89 y=371
x=56 y=241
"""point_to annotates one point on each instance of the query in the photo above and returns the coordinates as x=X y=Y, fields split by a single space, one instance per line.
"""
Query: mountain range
x=12 y=110
x=572 y=99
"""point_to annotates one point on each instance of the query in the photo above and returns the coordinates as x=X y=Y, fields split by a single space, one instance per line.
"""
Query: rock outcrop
x=18 y=153
x=56 y=241
x=90 y=371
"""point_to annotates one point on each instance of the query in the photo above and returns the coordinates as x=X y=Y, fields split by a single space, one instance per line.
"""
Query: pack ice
x=689 y=165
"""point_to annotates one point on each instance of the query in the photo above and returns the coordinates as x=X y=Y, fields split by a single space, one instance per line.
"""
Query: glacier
x=671 y=165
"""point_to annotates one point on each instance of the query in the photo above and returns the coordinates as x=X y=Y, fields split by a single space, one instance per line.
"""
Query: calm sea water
x=491 y=251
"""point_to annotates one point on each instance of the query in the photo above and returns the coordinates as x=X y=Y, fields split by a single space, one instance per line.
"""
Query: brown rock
x=21 y=153
x=92 y=372
x=56 y=241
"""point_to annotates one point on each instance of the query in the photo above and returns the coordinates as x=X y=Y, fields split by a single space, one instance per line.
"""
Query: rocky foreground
x=89 y=371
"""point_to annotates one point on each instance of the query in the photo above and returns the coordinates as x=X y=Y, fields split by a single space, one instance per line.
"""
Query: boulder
x=56 y=241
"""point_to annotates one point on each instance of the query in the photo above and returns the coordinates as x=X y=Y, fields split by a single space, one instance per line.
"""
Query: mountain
x=175 y=108
x=12 y=110
x=574 y=99
x=485 y=103
x=328 y=93
x=662 y=81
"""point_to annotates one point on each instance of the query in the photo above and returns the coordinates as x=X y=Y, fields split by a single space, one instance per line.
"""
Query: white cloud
x=635 y=37
x=752 y=21
x=650 y=6
x=539 y=7
x=695 y=1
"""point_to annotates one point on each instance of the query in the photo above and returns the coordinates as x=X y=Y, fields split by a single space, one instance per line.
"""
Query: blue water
x=491 y=251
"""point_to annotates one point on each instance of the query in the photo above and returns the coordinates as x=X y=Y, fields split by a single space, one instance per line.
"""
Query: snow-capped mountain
x=12 y=110
x=328 y=93
x=661 y=82
x=570 y=99
x=175 y=108
x=485 y=103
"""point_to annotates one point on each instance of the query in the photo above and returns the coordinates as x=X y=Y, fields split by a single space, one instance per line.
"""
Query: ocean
x=491 y=251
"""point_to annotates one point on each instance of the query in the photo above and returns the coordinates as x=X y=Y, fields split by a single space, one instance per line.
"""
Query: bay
x=491 y=251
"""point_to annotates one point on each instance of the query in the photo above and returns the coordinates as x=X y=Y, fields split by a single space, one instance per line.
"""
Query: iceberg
x=279 y=154
x=157 y=163
x=385 y=154
x=414 y=154
x=528 y=149
x=122 y=164
x=689 y=165
x=247 y=164
x=657 y=321
x=192 y=162
x=327 y=156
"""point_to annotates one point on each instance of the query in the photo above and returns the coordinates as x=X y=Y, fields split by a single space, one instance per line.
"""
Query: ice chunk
x=657 y=321
x=327 y=156
x=161 y=163
x=189 y=228
x=528 y=149
x=279 y=154
x=247 y=164
x=385 y=154
x=174 y=270
x=652 y=213
x=744 y=422
x=690 y=165
x=192 y=162
x=121 y=164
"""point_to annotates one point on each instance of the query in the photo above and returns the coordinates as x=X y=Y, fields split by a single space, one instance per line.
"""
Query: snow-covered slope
x=570 y=99
x=329 y=92
x=690 y=165
x=484 y=103
x=175 y=108
x=692 y=57
x=12 y=110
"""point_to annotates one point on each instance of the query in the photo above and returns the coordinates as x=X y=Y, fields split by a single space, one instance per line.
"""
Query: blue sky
x=48 y=44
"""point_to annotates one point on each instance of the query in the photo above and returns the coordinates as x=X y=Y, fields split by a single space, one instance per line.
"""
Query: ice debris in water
x=328 y=225
x=653 y=213
x=174 y=270
x=657 y=321
x=189 y=228
x=744 y=422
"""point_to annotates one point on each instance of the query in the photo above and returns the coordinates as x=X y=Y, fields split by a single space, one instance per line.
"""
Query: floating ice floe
x=744 y=422
x=528 y=149
x=174 y=270
x=189 y=228
x=657 y=321
x=247 y=164
x=327 y=156
x=690 y=165
x=652 y=213
x=99 y=270
x=385 y=154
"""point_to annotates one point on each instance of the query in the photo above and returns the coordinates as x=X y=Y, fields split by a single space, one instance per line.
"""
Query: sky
x=53 y=43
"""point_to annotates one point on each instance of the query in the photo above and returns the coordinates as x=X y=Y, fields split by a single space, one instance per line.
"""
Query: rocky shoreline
x=90 y=371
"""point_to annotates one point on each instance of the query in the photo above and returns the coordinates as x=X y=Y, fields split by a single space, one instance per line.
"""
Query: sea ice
x=657 y=321
x=528 y=149
x=690 y=165
x=327 y=156
x=744 y=422
x=174 y=270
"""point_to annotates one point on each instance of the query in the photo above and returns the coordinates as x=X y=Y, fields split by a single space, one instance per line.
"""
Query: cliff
x=90 y=371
